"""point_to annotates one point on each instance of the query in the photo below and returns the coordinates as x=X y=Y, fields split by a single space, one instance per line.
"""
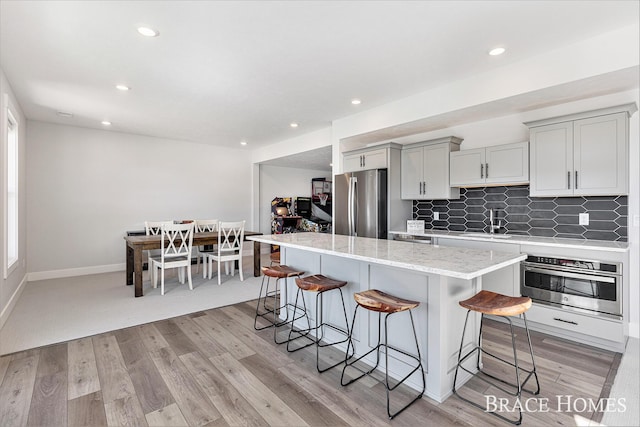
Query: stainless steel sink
x=487 y=235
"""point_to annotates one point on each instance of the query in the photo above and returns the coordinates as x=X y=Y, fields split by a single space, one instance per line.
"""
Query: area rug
x=58 y=310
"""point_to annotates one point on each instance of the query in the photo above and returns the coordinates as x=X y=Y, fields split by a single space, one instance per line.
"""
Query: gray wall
x=12 y=285
x=87 y=187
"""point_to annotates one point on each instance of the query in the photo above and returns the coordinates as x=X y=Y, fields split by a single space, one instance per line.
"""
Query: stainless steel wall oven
x=591 y=286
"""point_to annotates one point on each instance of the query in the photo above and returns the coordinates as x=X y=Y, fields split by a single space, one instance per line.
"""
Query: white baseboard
x=96 y=269
x=634 y=330
x=72 y=272
x=6 y=310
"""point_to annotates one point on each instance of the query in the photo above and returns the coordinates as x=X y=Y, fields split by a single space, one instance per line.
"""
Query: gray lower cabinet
x=571 y=322
x=581 y=326
x=603 y=332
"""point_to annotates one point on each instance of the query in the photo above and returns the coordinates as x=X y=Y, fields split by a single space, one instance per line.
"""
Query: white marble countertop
x=461 y=263
x=600 y=245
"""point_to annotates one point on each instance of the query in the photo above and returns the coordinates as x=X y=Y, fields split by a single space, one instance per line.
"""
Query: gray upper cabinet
x=365 y=159
x=600 y=155
x=425 y=170
x=551 y=160
x=581 y=155
x=506 y=164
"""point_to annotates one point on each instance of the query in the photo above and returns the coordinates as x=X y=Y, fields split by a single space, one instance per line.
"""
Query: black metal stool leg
x=260 y=299
x=351 y=345
x=519 y=386
x=533 y=362
x=418 y=358
x=376 y=349
x=378 y=301
x=286 y=306
x=322 y=325
x=387 y=383
x=303 y=333
x=275 y=311
x=346 y=321
x=479 y=341
x=319 y=330
x=515 y=361
x=460 y=358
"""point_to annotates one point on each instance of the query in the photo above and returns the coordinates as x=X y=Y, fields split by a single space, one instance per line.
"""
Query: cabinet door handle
x=419 y=187
x=424 y=187
x=481 y=170
x=565 y=321
x=576 y=181
x=486 y=170
x=568 y=180
x=364 y=160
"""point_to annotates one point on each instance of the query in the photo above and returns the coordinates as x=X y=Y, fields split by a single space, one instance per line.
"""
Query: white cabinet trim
x=628 y=108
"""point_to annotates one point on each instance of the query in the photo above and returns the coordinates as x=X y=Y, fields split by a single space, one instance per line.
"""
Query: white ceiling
x=222 y=72
x=318 y=159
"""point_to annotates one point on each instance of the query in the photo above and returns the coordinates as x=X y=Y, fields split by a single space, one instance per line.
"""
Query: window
x=11 y=193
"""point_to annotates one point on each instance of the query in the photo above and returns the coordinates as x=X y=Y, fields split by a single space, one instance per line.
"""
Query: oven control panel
x=543 y=260
x=573 y=263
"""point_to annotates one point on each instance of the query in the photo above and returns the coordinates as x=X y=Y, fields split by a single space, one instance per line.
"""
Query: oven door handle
x=571 y=275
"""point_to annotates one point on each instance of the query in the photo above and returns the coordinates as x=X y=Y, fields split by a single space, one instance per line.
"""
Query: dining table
x=135 y=245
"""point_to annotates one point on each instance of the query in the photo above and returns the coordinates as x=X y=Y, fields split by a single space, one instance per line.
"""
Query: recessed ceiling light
x=293 y=125
x=148 y=32
x=123 y=87
x=243 y=142
x=65 y=114
x=106 y=122
x=356 y=101
x=497 y=51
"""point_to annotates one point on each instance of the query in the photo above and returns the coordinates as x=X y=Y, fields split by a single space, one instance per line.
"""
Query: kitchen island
x=438 y=277
x=584 y=324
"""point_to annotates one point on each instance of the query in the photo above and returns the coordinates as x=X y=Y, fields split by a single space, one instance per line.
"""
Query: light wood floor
x=212 y=368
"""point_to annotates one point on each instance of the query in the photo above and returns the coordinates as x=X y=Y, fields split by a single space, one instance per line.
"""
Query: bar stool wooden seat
x=487 y=302
x=318 y=284
x=381 y=302
x=271 y=314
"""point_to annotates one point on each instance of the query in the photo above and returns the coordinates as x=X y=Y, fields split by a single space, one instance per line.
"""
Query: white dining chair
x=230 y=241
x=177 y=244
x=153 y=228
x=203 y=226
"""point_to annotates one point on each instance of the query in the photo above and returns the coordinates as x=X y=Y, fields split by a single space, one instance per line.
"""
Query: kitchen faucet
x=493 y=216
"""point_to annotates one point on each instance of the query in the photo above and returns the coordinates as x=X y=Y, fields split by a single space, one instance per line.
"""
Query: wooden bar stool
x=318 y=284
x=486 y=302
x=374 y=300
x=277 y=272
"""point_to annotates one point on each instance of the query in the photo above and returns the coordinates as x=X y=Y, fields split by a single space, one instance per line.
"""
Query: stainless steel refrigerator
x=361 y=203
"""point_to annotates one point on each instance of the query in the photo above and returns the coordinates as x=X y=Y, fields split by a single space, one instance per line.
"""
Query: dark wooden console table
x=136 y=244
